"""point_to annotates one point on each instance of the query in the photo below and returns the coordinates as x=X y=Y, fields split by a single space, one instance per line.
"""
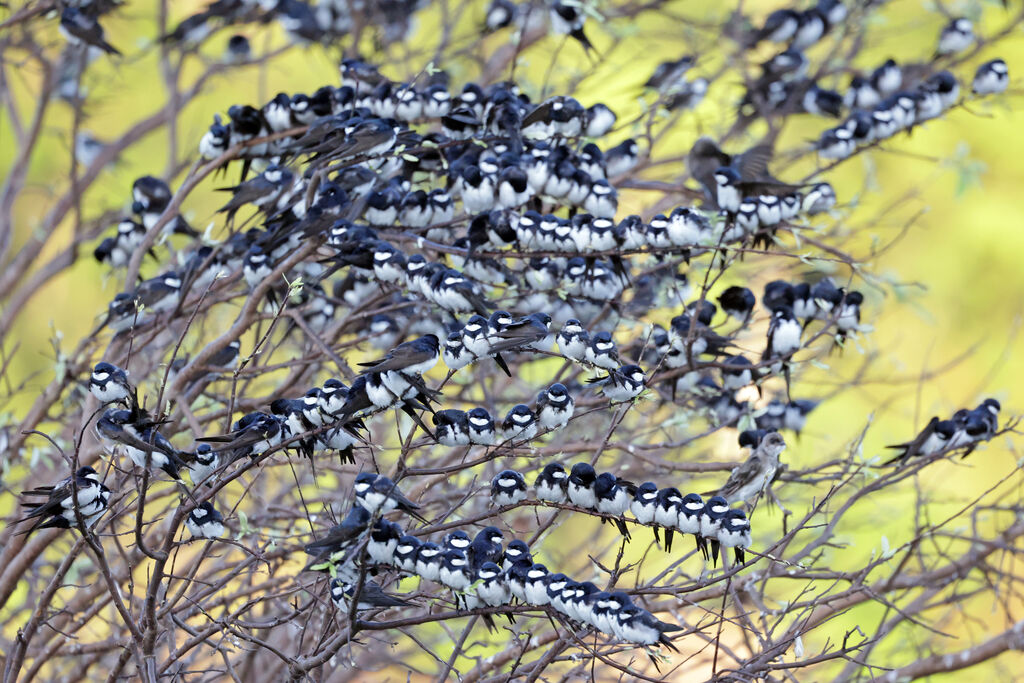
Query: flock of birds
x=442 y=208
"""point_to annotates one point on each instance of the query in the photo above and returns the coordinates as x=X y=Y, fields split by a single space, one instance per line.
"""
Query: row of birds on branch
x=323 y=21
x=902 y=110
x=712 y=522
x=965 y=430
x=479 y=570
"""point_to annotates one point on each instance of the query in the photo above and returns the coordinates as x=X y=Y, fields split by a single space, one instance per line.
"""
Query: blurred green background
x=945 y=297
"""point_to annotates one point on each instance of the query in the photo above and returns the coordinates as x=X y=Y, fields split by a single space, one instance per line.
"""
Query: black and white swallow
x=688 y=522
x=161 y=293
x=205 y=522
x=139 y=437
x=734 y=532
x=645 y=502
x=428 y=561
x=520 y=424
x=486 y=547
x=81 y=28
x=455 y=354
x=636 y=625
x=535 y=587
x=455 y=573
x=551 y=483
x=711 y=521
x=203 y=463
x=370 y=596
x=980 y=424
x=666 y=512
x=580 y=486
x=508 y=488
x=254 y=434
x=451 y=428
x=57 y=511
x=341 y=535
x=568 y=19
x=383 y=541
x=110 y=384
x=612 y=499
x=481 y=427
x=555 y=407
x=377 y=492
x=573 y=340
x=955 y=37
x=623 y=384
x=515 y=551
x=406 y=552
x=603 y=351
x=991 y=78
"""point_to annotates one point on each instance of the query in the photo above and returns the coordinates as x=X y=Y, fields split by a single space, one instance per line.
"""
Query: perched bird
x=516 y=551
x=932 y=439
x=568 y=20
x=734 y=532
x=612 y=499
x=492 y=588
x=750 y=480
x=383 y=541
x=580 y=486
x=508 y=488
x=645 y=502
x=342 y=534
x=412 y=357
x=204 y=462
x=991 y=77
x=254 y=434
x=554 y=407
x=481 y=427
x=369 y=596
x=520 y=424
x=85 y=492
x=455 y=573
x=551 y=483
x=623 y=384
x=710 y=523
x=205 y=522
x=428 y=561
x=139 y=437
x=980 y=424
x=956 y=36
x=451 y=428
x=406 y=552
x=573 y=341
x=666 y=512
x=238 y=49
x=377 y=492
x=81 y=28
x=603 y=352
x=110 y=384
x=486 y=547
x=636 y=625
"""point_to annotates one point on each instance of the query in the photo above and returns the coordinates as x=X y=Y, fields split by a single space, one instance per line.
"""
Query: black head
x=490 y=534
x=554 y=471
x=604 y=484
x=669 y=497
x=431 y=342
x=645 y=490
x=583 y=473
